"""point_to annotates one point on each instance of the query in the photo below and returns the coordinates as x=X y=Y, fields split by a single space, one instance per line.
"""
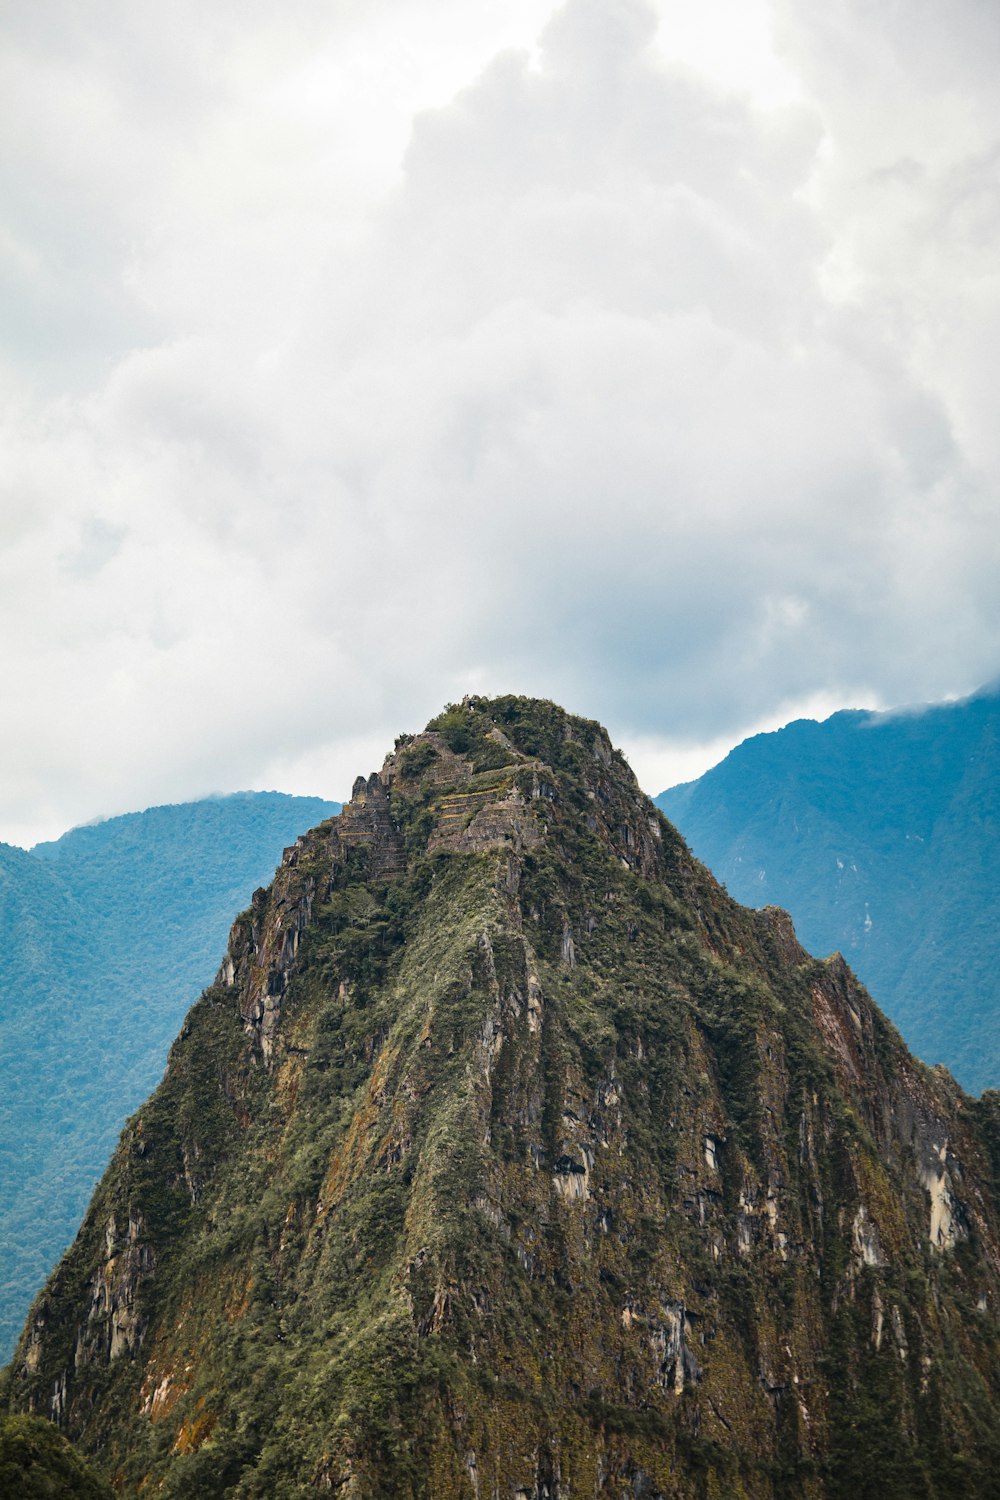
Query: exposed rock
x=866 y=1239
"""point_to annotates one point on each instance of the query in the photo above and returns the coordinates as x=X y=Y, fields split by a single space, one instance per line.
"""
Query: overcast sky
x=360 y=355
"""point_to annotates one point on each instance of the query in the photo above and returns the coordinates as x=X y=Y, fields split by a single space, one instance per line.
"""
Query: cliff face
x=508 y=1157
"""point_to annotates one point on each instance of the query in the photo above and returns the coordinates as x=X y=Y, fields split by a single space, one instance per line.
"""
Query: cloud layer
x=353 y=366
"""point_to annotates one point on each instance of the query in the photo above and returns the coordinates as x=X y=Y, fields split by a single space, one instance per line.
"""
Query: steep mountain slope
x=107 y=936
x=508 y=1157
x=881 y=835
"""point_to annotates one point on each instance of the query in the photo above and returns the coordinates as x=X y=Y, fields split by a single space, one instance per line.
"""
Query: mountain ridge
x=879 y=832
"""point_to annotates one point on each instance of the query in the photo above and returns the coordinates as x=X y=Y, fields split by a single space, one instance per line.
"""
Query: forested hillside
x=880 y=832
x=108 y=934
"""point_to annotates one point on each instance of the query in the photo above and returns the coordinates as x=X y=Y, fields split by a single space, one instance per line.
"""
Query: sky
x=358 y=356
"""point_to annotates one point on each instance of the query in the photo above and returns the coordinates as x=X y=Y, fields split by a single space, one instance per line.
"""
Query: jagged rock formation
x=507 y=1157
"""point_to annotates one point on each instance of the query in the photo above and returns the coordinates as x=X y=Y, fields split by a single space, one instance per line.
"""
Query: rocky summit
x=507 y=1158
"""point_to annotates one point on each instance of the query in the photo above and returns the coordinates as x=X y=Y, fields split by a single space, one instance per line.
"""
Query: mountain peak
x=498 y=776
x=496 y=773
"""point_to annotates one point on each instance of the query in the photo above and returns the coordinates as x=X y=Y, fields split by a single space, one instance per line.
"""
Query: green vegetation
x=878 y=832
x=108 y=934
x=37 y=1463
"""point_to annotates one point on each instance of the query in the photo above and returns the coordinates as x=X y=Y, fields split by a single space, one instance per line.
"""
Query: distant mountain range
x=879 y=833
x=108 y=934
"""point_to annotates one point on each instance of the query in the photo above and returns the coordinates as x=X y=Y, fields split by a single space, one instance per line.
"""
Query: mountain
x=880 y=832
x=107 y=935
x=48 y=947
x=507 y=1156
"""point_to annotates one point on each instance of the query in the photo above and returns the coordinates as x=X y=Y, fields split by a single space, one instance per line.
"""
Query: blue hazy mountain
x=879 y=833
x=108 y=934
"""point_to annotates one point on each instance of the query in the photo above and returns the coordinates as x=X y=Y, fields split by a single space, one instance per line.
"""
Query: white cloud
x=373 y=359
